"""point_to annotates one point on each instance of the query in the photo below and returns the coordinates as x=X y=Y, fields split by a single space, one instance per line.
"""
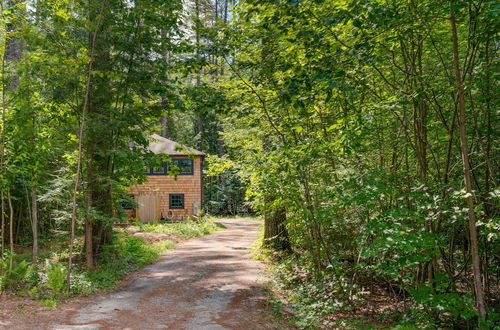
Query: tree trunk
x=77 y=179
x=89 y=254
x=224 y=19
x=2 y=149
x=2 y=229
x=12 y=55
x=13 y=47
x=474 y=243
x=99 y=139
x=165 y=120
x=34 y=223
x=275 y=232
x=11 y=230
x=164 y=123
x=198 y=126
x=80 y=149
x=89 y=250
x=420 y=137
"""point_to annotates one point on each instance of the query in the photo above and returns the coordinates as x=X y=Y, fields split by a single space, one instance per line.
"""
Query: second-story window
x=185 y=165
x=158 y=170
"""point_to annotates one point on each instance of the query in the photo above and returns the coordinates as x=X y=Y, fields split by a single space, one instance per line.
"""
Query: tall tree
x=474 y=243
x=10 y=83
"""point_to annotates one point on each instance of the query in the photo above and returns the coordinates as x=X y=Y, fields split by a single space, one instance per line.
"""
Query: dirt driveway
x=209 y=282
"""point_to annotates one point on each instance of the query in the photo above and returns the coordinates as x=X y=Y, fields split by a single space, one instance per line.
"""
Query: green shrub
x=450 y=308
x=135 y=252
x=12 y=279
x=80 y=284
x=33 y=292
x=56 y=277
x=32 y=277
x=103 y=278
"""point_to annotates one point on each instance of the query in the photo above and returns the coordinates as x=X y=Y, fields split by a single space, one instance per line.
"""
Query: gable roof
x=160 y=145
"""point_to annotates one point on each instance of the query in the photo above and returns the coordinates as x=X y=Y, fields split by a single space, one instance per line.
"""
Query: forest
x=364 y=132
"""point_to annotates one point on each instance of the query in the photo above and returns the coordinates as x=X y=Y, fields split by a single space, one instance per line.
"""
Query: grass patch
x=125 y=255
x=185 y=230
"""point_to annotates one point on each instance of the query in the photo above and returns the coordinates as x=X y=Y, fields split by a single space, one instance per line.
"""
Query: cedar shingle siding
x=160 y=187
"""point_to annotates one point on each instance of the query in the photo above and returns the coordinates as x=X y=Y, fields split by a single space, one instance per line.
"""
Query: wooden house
x=165 y=196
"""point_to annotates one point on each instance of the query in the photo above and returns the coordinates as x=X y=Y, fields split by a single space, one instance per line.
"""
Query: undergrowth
x=326 y=301
x=337 y=299
x=46 y=282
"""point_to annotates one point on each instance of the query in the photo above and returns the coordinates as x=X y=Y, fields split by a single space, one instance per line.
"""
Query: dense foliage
x=347 y=114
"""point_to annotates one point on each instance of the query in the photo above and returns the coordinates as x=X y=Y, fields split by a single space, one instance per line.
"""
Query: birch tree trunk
x=165 y=120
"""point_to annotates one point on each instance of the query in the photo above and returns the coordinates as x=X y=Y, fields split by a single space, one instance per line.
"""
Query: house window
x=176 y=201
x=159 y=170
x=185 y=165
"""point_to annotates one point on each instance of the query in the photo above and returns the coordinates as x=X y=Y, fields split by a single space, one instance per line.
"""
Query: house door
x=148 y=208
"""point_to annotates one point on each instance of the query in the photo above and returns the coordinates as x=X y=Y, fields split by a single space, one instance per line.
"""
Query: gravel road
x=210 y=282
